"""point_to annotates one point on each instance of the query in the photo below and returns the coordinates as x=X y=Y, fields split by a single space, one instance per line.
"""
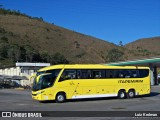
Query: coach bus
x=62 y=82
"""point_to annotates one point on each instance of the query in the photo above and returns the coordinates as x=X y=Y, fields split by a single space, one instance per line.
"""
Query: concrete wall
x=19 y=71
x=22 y=69
x=11 y=71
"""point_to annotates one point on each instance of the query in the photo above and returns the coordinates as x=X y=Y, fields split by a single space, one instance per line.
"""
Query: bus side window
x=98 y=73
x=84 y=74
x=68 y=74
x=127 y=73
x=143 y=73
x=120 y=74
x=78 y=74
x=89 y=74
x=135 y=73
x=109 y=74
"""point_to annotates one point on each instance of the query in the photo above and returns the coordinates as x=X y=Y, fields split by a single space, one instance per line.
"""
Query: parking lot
x=20 y=100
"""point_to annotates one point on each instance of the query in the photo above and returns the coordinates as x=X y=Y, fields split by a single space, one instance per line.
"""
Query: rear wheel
x=131 y=94
x=60 y=97
x=121 y=94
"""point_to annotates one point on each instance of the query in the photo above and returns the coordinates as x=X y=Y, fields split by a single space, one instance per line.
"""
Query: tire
x=131 y=94
x=60 y=97
x=121 y=94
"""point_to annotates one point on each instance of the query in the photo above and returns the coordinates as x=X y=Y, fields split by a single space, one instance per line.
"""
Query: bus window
x=120 y=74
x=143 y=73
x=78 y=74
x=109 y=73
x=45 y=80
x=135 y=73
x=68 y=74
x=84 y=74
x=127 y=73
x=48 y=81
x=98 y=74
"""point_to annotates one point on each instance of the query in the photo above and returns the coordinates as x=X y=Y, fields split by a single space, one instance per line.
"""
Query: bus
x=62 y=82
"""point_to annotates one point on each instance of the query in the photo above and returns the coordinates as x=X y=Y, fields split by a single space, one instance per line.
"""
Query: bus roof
x=90 y=66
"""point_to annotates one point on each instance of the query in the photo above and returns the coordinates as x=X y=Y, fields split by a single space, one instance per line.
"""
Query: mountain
x=30 y=39
x=143 y=48
x=24 y=34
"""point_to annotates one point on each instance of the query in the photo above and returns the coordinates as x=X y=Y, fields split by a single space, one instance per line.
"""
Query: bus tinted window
x=126 y=73
x=98 y=74
x=90 y=74
x=48 y=81
x=68 y=74
x=85 y=74
x=135 y=73
x=101 y=73
x=109 y=73
x=143 y=73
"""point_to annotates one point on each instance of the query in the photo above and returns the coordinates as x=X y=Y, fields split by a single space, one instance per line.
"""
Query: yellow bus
x=62 y=82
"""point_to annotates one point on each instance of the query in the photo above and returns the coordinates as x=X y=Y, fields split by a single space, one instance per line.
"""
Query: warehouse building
x=20 y=73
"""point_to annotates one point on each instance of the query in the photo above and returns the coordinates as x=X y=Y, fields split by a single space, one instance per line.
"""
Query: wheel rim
x=122 y=95
x=60 y=98
x=131 y=94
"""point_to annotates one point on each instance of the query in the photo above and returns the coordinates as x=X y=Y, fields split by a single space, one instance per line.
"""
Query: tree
x=3 y=50
x=14 y=52
x=17 y=52
x=45 y=56
x=29 y=53
x=58 y=58
x=114 y=55
x=10 y=53
x=120 y=43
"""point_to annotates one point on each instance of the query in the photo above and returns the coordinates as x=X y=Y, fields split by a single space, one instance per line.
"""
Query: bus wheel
x=131 y=94
x=60 y=97
x=121 y=94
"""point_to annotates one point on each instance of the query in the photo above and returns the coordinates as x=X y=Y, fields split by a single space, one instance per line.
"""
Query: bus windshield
x=45 y=79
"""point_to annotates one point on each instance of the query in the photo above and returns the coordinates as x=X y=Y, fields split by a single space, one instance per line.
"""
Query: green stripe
x=155 y=60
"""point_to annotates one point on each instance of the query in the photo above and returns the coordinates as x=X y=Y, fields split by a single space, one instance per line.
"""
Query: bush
x=114 y=55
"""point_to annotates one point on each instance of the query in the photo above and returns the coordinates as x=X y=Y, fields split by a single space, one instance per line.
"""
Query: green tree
x=10 y=53
x=114 y=55
x=14 y=52
x=17 y=53
x=120 y=43
x=45 y=56
x=29 y=53
x=4 y=40
x=58 y=58
x=3 y=50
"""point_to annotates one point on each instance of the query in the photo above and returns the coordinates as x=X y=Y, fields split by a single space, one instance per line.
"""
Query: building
x=21 y=72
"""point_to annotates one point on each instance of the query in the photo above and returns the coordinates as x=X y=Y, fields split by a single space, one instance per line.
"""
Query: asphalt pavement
x=21 y=101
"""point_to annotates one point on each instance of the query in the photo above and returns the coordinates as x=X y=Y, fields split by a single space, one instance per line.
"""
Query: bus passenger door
x=75 y=88
x=69 y=76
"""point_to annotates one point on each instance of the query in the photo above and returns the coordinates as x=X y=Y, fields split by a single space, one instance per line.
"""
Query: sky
x=110 y=20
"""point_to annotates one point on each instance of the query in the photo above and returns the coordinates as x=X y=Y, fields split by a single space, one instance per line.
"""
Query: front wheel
x=60 y=98
x=121 y=94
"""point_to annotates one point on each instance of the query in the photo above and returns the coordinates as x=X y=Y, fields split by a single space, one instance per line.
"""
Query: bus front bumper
x=37 y=95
